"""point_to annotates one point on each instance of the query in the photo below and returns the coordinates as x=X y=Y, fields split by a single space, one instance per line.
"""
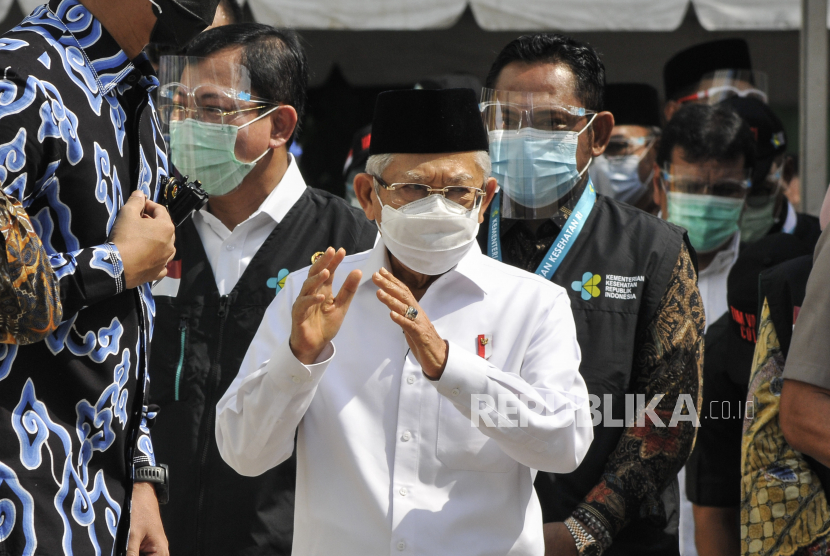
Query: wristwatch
x=159 y=476
x=586 y=544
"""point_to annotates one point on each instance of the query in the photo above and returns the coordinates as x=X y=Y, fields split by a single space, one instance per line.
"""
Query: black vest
x=784 y=288
x=198 y=347
x=634 y=254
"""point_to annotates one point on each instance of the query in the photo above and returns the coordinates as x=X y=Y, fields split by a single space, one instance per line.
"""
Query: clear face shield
x=720 y=85
x=206 y=110
x=533 y=147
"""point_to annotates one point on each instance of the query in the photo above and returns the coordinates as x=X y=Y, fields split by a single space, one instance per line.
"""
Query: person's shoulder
x=636 y=217
x=350 y=262
x=332 y=204
x=28 y=39
x=510 y=279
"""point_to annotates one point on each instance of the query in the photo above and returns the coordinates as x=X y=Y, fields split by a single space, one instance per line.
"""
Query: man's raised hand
x=317 y=315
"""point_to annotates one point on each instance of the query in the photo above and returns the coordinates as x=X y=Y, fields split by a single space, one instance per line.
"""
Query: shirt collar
x=791 y=221
x=108 y=64
x=276 y=205
x=725 y=258
x=285 y=194
x=470 y=267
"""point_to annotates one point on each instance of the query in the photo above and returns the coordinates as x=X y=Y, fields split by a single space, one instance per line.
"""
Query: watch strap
x=159 y=476
x=585 y=542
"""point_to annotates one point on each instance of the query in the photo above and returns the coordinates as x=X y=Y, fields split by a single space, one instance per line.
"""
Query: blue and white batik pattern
x=78 y=134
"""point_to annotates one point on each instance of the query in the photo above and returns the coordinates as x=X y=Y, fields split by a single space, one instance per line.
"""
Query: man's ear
x=603 y=125
x=490 y=188
x=283 y=124
x=657 y=188
x=670 y=108
x=364 y=186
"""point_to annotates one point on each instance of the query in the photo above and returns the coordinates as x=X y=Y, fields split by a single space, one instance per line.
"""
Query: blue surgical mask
x=535 y=168
x=619 y=177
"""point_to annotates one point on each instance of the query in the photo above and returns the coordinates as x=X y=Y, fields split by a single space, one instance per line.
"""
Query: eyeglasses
x=714 y=95
x=722 y=187
x=206 y=103
x=513 y=117
x=620 y=146
x=404 y=193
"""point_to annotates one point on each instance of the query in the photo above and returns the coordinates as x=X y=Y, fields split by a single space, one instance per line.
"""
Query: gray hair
x=378 y=163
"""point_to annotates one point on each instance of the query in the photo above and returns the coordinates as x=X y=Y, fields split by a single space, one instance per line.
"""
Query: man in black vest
x=246 y=82
x=632 y=283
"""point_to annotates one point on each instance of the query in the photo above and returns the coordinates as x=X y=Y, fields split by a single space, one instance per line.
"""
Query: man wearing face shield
x=232 y=108
x=767 y=209
x=393 y=383
x=625 y=170
x=83 y=154
x=631 y=281
x=710 y=73
x=705 y=166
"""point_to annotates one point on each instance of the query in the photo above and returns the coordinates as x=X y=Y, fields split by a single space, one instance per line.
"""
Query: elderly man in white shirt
x=428 y=390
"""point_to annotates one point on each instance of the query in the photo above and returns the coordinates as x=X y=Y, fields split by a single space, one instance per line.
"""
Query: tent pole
x=813 y=104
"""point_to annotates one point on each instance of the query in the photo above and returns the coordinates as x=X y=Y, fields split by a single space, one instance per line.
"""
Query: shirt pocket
x=462 y=446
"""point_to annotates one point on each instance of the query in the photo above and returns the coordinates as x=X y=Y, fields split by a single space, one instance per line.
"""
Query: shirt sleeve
x=257 y=416
x=669 y=361
x=33 y=144
x=808 y=359
x=541 y=417
x=30 y=305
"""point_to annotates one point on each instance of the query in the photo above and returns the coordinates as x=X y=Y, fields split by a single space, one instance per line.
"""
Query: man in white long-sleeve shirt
x=430 y=387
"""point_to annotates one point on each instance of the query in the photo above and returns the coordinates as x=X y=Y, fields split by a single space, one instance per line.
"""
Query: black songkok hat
x=633 y=104
x=687 y=67
x=770 y=137
x=427 y=121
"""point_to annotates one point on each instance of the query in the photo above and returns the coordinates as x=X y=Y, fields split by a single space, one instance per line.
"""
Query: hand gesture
x=317 y=315
x=427 y=346
x=145 y=237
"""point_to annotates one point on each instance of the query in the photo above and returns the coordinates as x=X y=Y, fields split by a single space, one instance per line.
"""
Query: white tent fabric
x=503 y=15
x=403 y=15
x=580 y=15
x=724 y=15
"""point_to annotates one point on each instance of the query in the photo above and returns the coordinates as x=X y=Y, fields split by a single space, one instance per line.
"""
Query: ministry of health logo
x=589 y=285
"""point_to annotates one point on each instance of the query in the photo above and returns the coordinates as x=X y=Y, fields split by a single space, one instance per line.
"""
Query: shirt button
x=455 y=391
x=406 y=436
x=403 y=491
x=296 y=379
x=401 y=545
x=410 y=379
x=230 y=247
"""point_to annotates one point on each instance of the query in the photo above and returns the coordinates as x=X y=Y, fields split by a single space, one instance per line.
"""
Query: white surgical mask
x=619 y=177
x=430 y=235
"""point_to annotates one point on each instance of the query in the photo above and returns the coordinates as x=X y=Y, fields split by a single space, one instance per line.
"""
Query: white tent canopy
x=503 y=15
x=508 y=15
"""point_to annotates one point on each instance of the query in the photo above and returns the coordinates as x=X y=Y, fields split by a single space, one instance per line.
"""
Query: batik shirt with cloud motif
x=78 y=134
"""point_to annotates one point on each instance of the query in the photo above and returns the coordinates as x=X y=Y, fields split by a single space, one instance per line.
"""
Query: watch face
x=592 y=549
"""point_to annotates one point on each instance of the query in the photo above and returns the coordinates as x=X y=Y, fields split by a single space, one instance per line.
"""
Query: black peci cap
x=687 y=67
x=427 y=121
x=770 y=137
x=633 y=104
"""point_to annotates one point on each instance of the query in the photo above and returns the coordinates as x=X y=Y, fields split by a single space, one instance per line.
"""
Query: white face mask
x=430 y=235
x=620 y=177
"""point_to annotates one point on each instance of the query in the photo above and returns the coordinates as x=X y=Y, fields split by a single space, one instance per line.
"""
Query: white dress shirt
x=229 y=252
x=712 y=280
x=387 y=460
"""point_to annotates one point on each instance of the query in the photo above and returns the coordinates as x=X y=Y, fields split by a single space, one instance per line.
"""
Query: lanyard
x=562 y=243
